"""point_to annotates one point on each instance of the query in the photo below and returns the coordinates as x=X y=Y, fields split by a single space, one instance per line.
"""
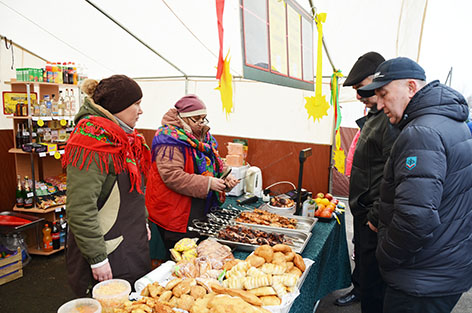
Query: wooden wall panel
x=7 y=170
x=278 y=161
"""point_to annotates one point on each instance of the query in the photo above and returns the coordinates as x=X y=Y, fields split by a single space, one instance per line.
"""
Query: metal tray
x=300 y=239
x=304 y=224
x=8 y=229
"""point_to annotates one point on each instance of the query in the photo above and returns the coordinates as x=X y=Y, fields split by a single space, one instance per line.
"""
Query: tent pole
x=135 y=37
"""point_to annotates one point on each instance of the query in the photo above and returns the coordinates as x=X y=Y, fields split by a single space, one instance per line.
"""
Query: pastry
x=184 y=287
x=254 y=272
x=234 y=282
x=174 y=282
x=266 y=252
x=270 y=300
x=256 y=282
x=255 y=260
x=279 y=289
x=289 y=256
x=298 y=262
x=165 y=296
x=263 y=291
x=185 y=302
x=229 y=265
x=197 y=292
x=281 y=248
x=274 y=269
x=296 y=271
x=288 y=266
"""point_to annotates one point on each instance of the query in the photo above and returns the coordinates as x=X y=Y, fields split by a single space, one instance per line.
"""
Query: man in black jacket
x=372 y=150
x=425 y=216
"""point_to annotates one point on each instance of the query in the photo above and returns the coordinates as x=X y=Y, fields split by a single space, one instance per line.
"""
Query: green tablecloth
x=331 y=270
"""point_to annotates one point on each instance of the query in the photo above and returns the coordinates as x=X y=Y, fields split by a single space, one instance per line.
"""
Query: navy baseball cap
x=390 y=70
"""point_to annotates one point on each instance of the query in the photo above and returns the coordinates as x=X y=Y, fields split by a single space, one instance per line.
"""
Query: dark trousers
x=355 y=276
x=372 y=285
x=399 y=302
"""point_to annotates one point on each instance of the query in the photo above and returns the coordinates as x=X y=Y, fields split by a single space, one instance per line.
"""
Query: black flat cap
x=364 y=67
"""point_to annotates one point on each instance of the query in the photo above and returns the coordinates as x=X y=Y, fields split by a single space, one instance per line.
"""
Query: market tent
x=184 y=32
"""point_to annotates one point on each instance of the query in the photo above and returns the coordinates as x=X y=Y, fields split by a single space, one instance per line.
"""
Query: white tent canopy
x=185 y=33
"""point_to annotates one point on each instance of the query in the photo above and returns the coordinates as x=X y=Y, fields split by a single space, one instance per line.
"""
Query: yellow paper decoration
x=40 y=123
x=317 y=106
x=226 y=87
x=339 y=155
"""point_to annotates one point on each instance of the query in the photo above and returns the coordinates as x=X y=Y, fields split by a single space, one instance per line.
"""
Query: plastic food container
x=81 y=305
x=111 y=293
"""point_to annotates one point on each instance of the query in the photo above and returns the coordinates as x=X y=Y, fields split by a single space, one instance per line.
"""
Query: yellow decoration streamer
x=226 y=87
x=317 y=106
x=339 y=155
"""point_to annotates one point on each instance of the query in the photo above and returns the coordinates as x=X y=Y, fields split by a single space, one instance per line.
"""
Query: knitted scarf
x=99 y=139
x=205 y=155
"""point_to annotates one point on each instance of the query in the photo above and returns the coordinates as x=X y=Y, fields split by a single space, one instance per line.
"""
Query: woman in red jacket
x=183 y=183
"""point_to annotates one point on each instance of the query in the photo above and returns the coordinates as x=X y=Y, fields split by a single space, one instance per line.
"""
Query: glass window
x=255 y=33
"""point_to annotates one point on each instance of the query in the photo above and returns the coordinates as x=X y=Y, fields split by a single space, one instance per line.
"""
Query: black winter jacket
x=425 y=228
x=371 y=154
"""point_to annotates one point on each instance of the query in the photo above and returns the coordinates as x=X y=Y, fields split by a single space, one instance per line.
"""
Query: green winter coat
x=105 y=220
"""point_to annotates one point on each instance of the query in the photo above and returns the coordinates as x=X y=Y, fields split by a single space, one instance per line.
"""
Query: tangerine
x=326 y=214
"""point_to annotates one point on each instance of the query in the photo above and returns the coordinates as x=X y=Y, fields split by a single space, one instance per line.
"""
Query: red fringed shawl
x=99 y=139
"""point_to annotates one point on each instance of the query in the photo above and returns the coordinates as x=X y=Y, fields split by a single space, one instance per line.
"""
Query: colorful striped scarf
x=206 y=159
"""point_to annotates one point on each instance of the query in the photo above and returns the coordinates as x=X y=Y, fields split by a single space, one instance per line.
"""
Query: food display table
x=327 y=247
x=331 y=270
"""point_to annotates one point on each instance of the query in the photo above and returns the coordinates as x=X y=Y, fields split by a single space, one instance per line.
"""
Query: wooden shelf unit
x=27 y=163
x=36 y=251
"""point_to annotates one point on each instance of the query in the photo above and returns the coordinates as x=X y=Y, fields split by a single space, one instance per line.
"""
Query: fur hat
x=190 y=105
x=114 y=93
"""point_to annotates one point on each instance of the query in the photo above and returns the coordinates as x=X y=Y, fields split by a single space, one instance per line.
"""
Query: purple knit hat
x=190 y=105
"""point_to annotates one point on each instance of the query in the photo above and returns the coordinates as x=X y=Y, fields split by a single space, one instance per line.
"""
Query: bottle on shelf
x=54 y=106
x=56 y=237
x=24 y=135
x=42 y=108
x=74 y=74
x=47 y=239
x=24 y=109
x=19 y=136
x=59 y=73
x=65 y=73
x=48 y=103
x=62 y=230
x=61 y=105
x=36 y=111
x=72 y=102
x=28 y=194
x=19 y=193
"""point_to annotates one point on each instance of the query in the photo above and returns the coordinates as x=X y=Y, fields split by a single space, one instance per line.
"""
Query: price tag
x=29 y=194
x=57 y=155
x=63 y=122
x=40 y=123
x=58 y=209
x=42 y=154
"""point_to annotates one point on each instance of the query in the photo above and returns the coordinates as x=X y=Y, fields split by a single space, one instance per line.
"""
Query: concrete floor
x=43 y=288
